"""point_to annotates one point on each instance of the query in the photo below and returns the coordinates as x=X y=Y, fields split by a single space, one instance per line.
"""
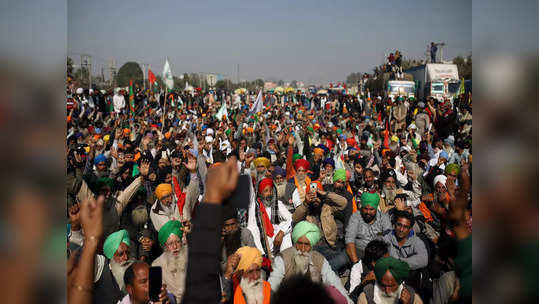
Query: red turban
x=266 y=182
x=301 y=163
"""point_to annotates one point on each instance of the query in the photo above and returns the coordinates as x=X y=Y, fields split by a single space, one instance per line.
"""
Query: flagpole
x=164 y=102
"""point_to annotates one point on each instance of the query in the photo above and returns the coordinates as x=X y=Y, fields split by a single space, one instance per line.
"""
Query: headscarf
x=162 y=190
x=307 y=229
x=440 y=178
x=301 y=163
x=398 y=269
x=452 y=168
x=248 y=257
x=264 y=183
x=262 y=161
x=339 y=175
x=113 y=241
x=295 y=157
x=171 y=227
x=100 y=159
x=371 y=199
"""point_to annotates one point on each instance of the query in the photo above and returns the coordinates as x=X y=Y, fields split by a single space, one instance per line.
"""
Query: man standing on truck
x=433 y=50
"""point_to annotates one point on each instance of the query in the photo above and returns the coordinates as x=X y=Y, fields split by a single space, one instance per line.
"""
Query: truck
x=439 y=80
x=397 y=88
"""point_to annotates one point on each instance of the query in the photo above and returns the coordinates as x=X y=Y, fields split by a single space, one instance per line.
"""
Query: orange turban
x=162 y=190
x=126 y=131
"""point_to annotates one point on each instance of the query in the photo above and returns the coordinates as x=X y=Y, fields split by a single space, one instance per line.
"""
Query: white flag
x=258 y=105
x=167 y=76
x=222 y=111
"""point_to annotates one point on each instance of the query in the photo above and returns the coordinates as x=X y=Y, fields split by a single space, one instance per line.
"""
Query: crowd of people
x=352 y=199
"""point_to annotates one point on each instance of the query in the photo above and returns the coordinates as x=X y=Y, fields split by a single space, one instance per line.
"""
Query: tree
x=294 y=84
x=129 y=71
x=280 y=83
x=259 y=83
x=464 y=66
x=69 y=67
x=353 y=78
x=81 y=77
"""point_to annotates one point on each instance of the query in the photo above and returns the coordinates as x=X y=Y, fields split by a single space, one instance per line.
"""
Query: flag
x=151 y=77
x=131 y=97
x=167 y=76
x=222 y=112
x=461 y=89
x=258 y=105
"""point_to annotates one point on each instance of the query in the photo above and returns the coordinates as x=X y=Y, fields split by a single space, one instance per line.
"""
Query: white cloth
x=355 y=275
x=285 y=226
x=161 y=218
x=119 y=103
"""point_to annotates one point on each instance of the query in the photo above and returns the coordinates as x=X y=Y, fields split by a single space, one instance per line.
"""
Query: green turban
x=227 y=132
x=397 y=268
x=308 y=230
x=296 y=157
x=339 y=175
x=452 y=168
x=310 y=129
x=104 y=181
x=371 y=199
x=171 y=227
x=339 y=131
x=113 y=241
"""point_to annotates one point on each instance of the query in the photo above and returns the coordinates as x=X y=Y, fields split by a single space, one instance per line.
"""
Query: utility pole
x=112 y=68
x=238 y=75
x=86 y=61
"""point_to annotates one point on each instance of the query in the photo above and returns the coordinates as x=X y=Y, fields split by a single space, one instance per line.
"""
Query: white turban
x=209 y=139
x=440 y=179
x=209 y=131
x=79 y=91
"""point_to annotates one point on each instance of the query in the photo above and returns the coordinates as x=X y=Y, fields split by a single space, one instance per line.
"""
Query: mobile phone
x=241 y=196
x=156 y=282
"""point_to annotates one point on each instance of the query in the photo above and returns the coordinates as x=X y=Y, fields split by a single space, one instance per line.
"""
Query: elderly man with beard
x=269 y=220
x=116 y=249
x=233 y=236
x=243 y=278
x=262 y=165
x=165 y=208
x=302 y=260
x=173 y=261
x=365 y=226
x=279 y=175
x=389 y=190
x=329 y=166
x=319 y=208
x=299 y=184
x=390 y=274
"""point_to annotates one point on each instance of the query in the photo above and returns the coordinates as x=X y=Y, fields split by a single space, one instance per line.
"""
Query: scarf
x=300 y=189
x=262 y=217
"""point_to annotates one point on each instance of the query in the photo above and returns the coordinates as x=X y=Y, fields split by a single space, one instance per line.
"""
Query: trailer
x=439 y=80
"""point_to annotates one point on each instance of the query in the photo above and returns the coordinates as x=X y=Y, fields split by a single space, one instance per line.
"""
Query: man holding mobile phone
x=137 y=282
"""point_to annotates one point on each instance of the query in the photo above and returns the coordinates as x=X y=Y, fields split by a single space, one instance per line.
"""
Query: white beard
x=139 y=215
x=118 y=271
x=389 y=194
x=253 y=290
x=380 y=297
x=177 y=263
x=302 y=260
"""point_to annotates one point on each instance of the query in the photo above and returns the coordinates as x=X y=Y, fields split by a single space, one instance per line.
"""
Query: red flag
x=386 y=136
x=151 y=76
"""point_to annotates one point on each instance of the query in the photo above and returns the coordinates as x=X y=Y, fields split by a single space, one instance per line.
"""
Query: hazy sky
x=313 y=41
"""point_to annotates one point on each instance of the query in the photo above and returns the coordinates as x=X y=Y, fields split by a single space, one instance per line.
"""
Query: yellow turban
x=262 y=161
x=162 y=190
x=248 y=257
x=106 y=137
